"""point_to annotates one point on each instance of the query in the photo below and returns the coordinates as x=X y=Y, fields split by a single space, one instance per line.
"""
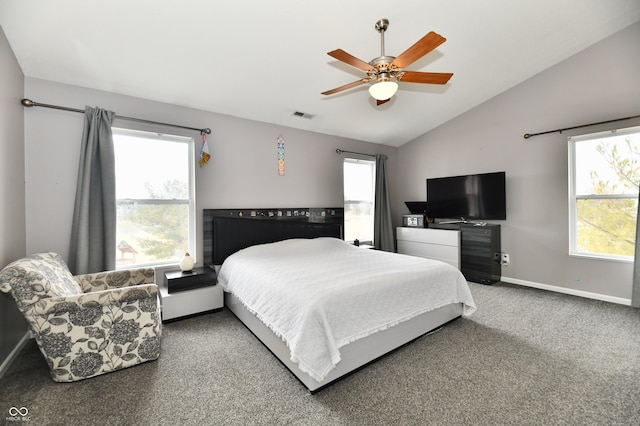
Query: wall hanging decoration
x=205 y=155
x=280 y=156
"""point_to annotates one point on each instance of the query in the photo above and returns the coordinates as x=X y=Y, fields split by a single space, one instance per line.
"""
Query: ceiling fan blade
x=345 y=57
x=425 y=77
x=380 y=102
x=423 y=46
x=346 y=86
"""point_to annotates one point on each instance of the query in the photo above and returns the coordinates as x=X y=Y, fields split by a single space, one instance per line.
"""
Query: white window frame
x=373 y=180
x=573 y=197
x=191 y=183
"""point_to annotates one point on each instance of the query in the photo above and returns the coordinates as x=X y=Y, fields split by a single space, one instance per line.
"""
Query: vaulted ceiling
x=267 y=60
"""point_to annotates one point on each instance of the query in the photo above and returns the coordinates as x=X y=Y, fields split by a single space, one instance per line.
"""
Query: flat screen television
x=468 y=197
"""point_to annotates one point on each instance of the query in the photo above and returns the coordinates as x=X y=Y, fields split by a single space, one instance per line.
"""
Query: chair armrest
x=115 y=279
x=58 y=305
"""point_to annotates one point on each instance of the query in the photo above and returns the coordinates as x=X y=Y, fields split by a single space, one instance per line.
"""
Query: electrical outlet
x=504 y=259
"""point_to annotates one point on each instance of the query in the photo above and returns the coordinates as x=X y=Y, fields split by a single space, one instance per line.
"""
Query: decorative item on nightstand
x=187 y=262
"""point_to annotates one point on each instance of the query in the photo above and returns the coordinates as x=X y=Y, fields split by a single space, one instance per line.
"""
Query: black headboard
x=226 y=232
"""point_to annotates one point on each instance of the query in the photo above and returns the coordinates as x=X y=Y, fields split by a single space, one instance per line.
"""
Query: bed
x=323 y=307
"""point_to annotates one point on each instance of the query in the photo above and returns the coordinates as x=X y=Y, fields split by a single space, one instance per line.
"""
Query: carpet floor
x=526 y=357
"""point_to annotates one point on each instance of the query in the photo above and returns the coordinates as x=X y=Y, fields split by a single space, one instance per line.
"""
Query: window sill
x=618 y=259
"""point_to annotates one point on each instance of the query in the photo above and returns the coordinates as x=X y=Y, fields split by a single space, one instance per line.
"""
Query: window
x=154 y=197
x=359 y=190
x=604 y=172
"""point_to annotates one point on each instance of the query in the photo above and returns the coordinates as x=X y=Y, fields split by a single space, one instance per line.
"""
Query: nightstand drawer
x=197 y=278
x=185 y=303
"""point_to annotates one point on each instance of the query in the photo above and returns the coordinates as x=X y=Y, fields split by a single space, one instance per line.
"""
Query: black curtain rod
x=340 y=151
x=529 y=135
x=29 y=103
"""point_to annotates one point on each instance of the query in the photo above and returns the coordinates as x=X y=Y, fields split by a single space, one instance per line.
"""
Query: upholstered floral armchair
x=86 y=325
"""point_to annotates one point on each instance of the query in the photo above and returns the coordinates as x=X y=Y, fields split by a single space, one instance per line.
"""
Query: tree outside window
x=605 y=174
x=154 y=197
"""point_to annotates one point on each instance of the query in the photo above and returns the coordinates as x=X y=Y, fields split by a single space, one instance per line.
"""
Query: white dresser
x=439 y=244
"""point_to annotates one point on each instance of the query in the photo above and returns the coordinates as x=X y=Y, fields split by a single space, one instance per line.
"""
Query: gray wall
x=241 y=173
x=600 y=83
x=12 y=196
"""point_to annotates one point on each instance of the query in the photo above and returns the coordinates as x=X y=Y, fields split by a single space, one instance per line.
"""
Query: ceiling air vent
x=302 y=114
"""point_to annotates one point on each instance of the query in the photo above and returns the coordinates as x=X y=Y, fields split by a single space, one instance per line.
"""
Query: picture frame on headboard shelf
x=310 y=214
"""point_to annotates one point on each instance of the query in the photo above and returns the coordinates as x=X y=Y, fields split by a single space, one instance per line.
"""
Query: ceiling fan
x=383 y=70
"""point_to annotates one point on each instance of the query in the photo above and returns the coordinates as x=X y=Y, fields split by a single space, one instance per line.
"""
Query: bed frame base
x=355 y=355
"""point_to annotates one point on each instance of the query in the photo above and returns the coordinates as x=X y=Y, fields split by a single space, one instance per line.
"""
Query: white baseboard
x=14 y=353
x=580 y=293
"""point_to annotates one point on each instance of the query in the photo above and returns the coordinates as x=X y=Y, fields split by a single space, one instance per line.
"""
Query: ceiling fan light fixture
x=385 y=71
x=383 y=89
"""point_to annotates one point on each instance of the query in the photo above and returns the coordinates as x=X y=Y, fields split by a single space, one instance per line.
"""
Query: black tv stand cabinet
x=480 y=253
x=479 y=250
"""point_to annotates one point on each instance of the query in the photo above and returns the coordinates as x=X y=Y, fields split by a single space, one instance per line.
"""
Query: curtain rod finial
x=207 y=131
x=338 y=150
x=527 y=135
x=27 y=102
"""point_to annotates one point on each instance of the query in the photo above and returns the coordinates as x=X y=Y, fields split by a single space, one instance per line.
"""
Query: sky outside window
x=156 y=162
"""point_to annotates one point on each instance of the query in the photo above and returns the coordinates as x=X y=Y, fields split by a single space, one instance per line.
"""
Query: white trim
x=573 y=292
x=606 y=258
x=14 y=353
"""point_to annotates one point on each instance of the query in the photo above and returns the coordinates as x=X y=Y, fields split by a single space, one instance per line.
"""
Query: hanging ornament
x=204 y=151
x=280 y=156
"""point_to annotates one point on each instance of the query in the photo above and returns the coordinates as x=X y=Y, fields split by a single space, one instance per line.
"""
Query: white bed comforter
x=321 y=294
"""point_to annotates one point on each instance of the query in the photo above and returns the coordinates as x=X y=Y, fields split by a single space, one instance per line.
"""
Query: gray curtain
x=635 y=291
x=382 y=224
x=93 y=232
